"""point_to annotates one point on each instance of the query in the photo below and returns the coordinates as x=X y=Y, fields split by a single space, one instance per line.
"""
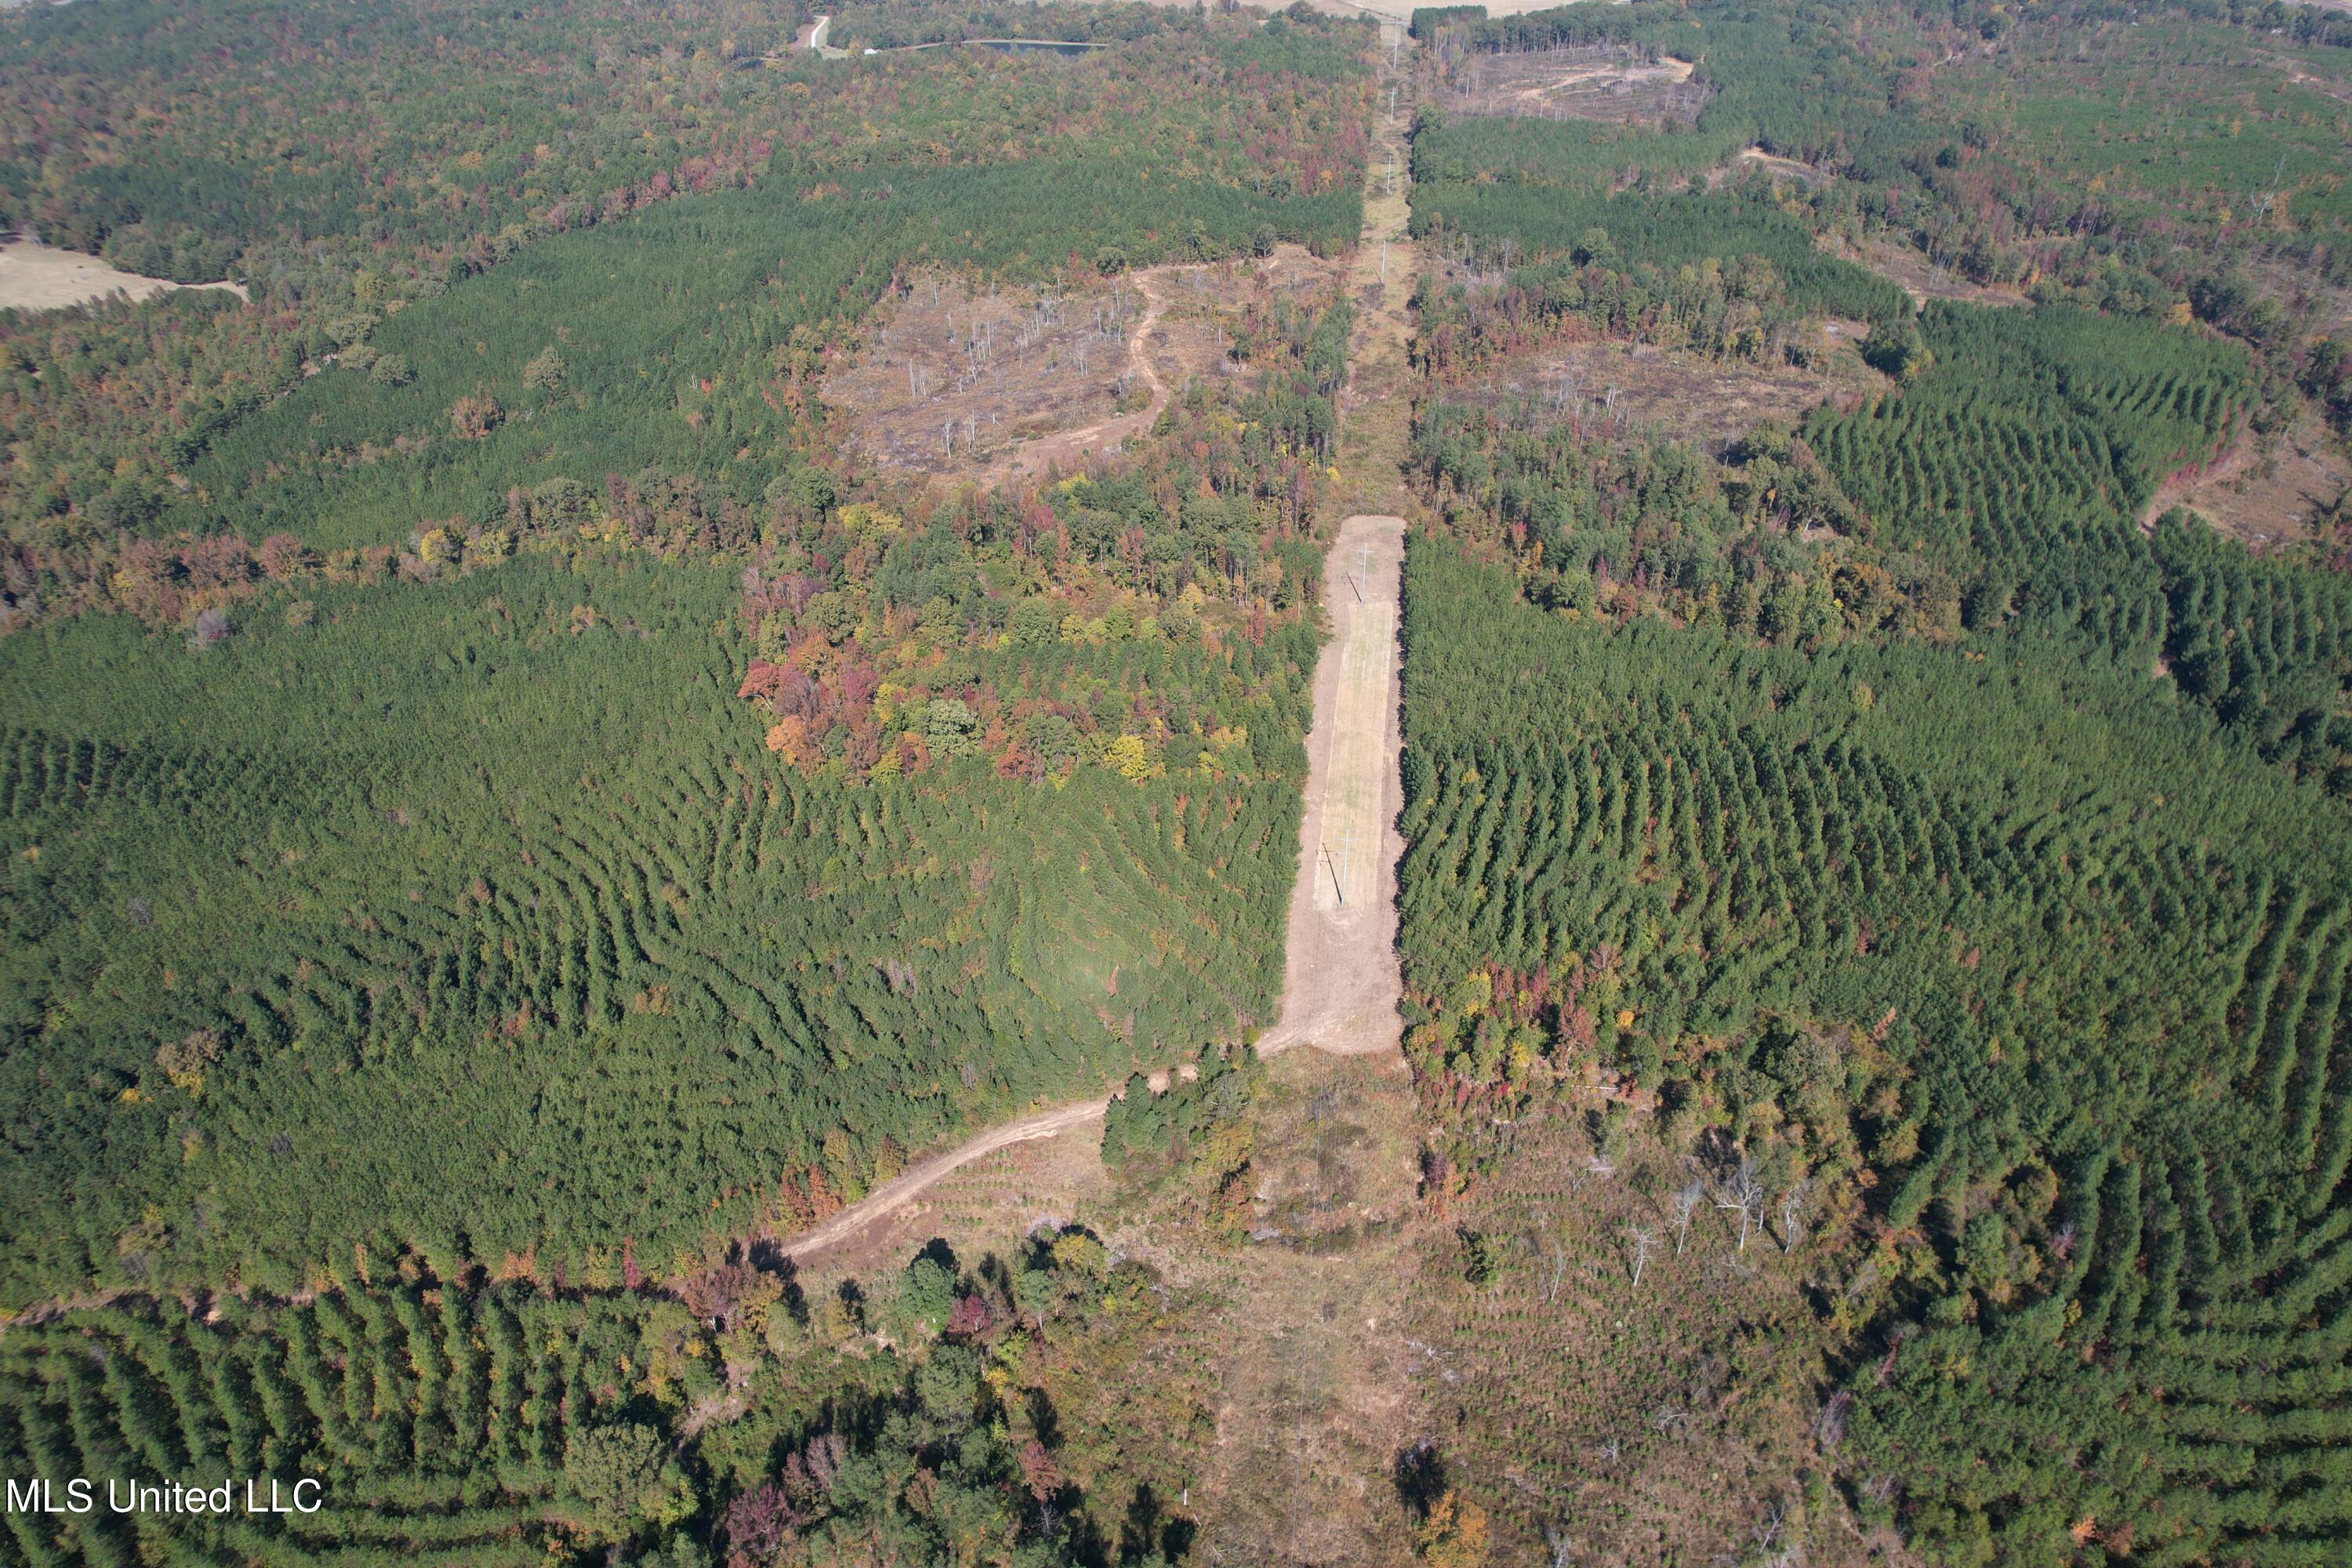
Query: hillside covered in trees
x=512 y=818
x=914 y=1416
x=491 y=784
x=1898 y=827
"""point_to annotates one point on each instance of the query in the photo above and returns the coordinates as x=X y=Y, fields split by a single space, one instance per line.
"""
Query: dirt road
x=1067 y=448
x=1340 y=985
x=903 y=1188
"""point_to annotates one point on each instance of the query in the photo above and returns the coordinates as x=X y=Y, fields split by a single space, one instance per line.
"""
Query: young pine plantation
x=727 y=618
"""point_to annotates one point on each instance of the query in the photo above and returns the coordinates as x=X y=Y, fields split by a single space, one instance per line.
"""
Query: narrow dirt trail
x=908 y=1185
x=1065 y=447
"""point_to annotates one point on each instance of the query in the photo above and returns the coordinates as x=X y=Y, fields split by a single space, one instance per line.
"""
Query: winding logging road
x=905 y=1187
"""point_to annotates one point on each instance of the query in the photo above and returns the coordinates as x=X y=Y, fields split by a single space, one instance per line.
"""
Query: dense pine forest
x=2038 y=1011
x=492 y=783
x=914 y=1418
x=1901 y=818
x=503 y=805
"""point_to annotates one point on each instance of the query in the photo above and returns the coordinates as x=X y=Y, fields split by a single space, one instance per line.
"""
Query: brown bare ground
x=1606 y=82
x=2265 y=501
x=43 y=277
x=1755 y=160
x=1035 y=379
x=1340 y=982
x=1632 y=1419
x=1617 y=384
x=1924 y=280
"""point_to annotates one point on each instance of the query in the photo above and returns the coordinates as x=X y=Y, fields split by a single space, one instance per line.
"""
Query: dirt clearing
x=2265 y=501
x=1755 y=160
x=1610 y=386
x=1340 y=984
x=1606 y=82
x=988 y=385
x=1923 y=279
x=40 y=277
x=951 y=381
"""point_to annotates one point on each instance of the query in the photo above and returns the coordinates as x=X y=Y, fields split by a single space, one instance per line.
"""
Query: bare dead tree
x=1686 y=1202
x=1830 y=1429
x=1741 y=1190
x=1643 y=1241
x=1773 y=1548
x=1792 y=1213
x=1563 y=1551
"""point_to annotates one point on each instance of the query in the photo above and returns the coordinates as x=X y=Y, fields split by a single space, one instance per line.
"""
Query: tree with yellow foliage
x=1453 y=1534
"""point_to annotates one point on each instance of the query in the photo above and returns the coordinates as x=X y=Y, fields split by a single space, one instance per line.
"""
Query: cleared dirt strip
x=1340 y=983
